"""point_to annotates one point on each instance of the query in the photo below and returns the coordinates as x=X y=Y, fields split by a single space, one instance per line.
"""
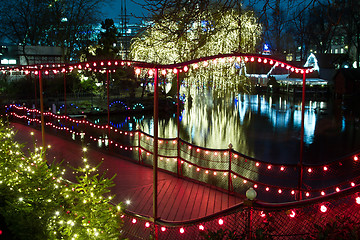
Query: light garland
x=198 y=152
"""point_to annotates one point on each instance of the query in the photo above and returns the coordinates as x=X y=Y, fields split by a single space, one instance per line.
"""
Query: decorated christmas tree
x=36 y=202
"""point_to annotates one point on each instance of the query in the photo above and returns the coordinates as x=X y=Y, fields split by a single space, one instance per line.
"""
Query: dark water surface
x=265 y=127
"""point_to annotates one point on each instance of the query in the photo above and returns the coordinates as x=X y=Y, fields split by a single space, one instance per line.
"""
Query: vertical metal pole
x=155 y=159
x=108 y=105
x=230 y=161
x=107 y=91
x=42 y=110
x=139 y=143
x=178 y=124
x=301 y=170
x=65 y=93
x=35 y=92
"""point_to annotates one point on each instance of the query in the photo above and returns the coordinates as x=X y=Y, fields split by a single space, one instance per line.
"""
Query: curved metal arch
x=112 y=64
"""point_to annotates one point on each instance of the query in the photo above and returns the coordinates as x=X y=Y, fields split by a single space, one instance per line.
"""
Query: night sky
x=112 y=9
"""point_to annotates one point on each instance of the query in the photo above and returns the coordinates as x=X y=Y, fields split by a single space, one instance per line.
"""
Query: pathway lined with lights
x=179 y=199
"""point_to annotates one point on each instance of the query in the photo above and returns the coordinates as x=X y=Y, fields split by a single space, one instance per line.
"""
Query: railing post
x=230 y=185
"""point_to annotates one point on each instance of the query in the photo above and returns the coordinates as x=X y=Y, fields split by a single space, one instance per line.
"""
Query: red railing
x=224 y=168
x=335 y=216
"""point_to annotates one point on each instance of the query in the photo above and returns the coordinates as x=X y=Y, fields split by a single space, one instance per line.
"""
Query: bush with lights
x=37 y=203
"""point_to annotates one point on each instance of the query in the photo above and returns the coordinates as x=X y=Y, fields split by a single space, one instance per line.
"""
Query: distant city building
x=29 y=55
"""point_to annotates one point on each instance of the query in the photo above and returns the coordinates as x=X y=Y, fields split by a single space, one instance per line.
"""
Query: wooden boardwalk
x=178 y=199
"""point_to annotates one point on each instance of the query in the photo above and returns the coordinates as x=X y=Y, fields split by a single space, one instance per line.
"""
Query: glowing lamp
x=201 y=228
x=323 y=208
x=309 y=170
x=262 y=214
x=163 y=72
x=325 y=168
x=259 y=60
x=221 y=221
x=151 y=72
x=206 y=64
x=163 y=229
x=252 y=59
x=357 y=199
x=147 y=224
x=186 y=68
x=337 y=189
x=356 y=158
x=175 y=71
x=257 y=164
x=196 y=65
x=322 y=193
x=182 y=230
x=292 y=214
x=246 y=59
x=282 y=168
x=251 y=194
x=133 y=220
x=353 y=184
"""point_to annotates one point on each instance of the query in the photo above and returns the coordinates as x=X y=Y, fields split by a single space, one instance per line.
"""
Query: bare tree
x=63 y=23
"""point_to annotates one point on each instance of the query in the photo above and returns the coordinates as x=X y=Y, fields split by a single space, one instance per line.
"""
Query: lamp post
x=250 y=195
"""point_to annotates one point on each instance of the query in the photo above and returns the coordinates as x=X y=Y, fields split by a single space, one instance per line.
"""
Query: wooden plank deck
x=178 y=199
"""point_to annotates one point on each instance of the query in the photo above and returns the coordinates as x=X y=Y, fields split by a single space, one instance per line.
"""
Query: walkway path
x=178 y=199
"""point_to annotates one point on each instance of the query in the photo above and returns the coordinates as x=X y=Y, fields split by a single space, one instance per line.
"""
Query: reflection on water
x=260 y=126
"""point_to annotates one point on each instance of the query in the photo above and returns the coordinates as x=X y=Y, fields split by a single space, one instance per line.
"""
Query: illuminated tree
x=38 y=203
x=214 y=33
x=210 y=35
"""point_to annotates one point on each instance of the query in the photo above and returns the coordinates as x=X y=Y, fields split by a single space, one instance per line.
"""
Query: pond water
x=265 y=127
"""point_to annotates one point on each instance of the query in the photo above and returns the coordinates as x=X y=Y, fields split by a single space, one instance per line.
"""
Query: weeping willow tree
x=214 y=32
